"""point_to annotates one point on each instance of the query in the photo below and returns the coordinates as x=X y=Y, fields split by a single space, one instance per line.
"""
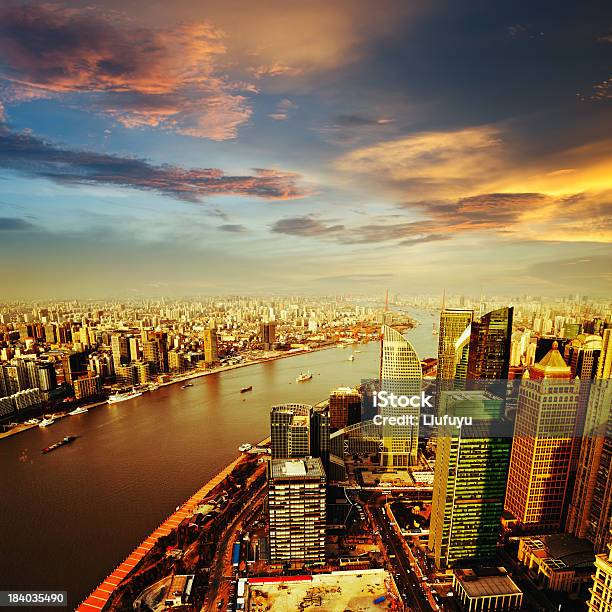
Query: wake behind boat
x=122 y=397
x=62 y=442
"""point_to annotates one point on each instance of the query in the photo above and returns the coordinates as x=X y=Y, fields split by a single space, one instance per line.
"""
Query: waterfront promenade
x=99 y=597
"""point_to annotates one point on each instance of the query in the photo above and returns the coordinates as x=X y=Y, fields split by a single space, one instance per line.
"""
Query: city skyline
x=205 y=149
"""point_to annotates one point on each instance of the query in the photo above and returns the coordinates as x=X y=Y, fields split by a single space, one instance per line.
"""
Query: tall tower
x=344 y=407
x=543 y=444
x=453 y=322
x=469 y=480
x=400 y=373
x=210 y=346
x=296 y=509
x=489 y=356
x=290 y=430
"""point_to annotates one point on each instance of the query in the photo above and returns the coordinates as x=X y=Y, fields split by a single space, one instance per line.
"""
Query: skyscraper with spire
x=400 y=373
x=540 y=463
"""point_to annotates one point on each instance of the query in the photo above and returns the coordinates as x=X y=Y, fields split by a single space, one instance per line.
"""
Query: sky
x=194 y=148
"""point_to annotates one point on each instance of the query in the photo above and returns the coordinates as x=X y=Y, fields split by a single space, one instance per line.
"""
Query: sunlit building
x=538 y=479
x=400 y=373
x=453 y=323
x=296 y=509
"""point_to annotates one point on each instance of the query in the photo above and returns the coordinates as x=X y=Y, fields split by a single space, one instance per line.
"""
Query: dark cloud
x=14 y=224
x=26 y=153
x=232 y=228
x=305 y=226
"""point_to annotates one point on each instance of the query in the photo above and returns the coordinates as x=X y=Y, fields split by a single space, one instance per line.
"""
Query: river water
x=69 y=517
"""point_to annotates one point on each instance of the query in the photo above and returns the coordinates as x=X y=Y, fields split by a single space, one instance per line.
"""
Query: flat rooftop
x=334 y=592
x=475 y=585
x=283 y=469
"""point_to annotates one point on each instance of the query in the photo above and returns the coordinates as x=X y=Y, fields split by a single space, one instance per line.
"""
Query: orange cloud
x=168 y=78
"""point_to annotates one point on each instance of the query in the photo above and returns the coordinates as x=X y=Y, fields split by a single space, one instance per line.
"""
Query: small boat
x=122 y=397
x=62 y=442
x=32 y=422
x=81 y=410
x=243 y=448
x=351 y=357
x=245 y=389
x=153 y=387
x=434 y=331
x=304 y=376
x=46 y=422
x=186 y=385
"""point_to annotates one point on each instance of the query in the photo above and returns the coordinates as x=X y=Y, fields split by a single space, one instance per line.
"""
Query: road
x=405 y=578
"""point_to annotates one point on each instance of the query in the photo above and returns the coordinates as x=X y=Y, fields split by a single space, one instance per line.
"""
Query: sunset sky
x=183 y=148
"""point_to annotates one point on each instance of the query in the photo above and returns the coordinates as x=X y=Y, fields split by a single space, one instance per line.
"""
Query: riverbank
x=185 y=378
x=100 y=596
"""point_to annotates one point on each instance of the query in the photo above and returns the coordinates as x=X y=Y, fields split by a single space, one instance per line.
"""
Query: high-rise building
x=74 y=365
x=87 y=386
x=290 y=430
x=604 y=367
x=489 y=352
x=540 y=463
x=400 y=373
x=590 y=511
x=296 y=511
x=453 y=322
x=344 y=407
x=268 y=335
x=120 y=349
x=210 y=346
x=177 y=361
x=469 y=480
x=582 y=355
x=462 y=353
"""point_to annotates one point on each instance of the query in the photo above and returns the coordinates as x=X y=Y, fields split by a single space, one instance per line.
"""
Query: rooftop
x=475 y=584
x=334 y=592
x=297 y=468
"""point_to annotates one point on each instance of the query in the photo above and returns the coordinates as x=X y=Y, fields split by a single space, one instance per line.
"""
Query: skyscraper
x=590 y=511
x=296 y=510
x=540 y=463
x=268 y=335
x=469 y=480
x=210 y=346
x=452 y=325
x=344 y=407
x=489 y=356
x=290 y=430
x=400 y=373
x=120 y=349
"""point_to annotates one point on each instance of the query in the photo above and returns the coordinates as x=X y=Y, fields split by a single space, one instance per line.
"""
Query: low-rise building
x=486 y=589
x=559 y=562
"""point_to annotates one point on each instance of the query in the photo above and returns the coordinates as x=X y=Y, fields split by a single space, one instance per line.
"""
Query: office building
x=601 y=592
x=469 y=480
x=400 y=373
x=268 y=335
x=604 y=367
x=489 y=351
x=120 y=349
x=538 y=480
x=290 y=430
x=87 y=386
x=211 y=355
x=582 y=355
x=590 y=511
x=344 y=407
x=486 y=590
x=75 y=366
x=296 y=511
x=453 y=323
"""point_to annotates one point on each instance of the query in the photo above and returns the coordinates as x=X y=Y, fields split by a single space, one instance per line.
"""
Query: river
x=69 y=517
